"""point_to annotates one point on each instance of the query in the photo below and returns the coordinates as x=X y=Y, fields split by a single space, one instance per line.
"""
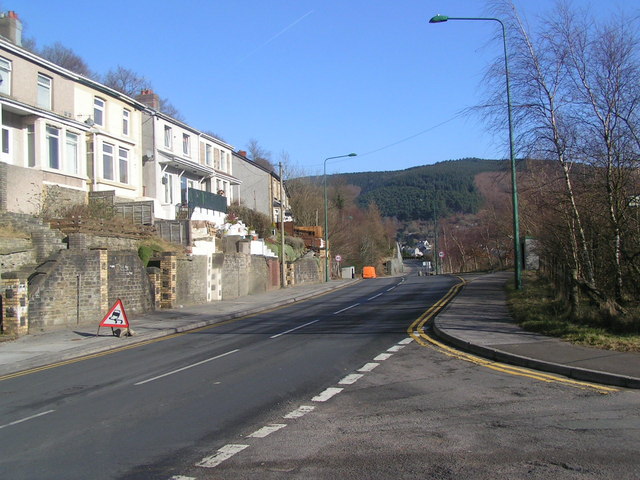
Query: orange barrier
x=369 y=272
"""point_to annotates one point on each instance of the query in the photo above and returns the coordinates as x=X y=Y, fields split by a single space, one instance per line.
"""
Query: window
x=44 y=91
x=53 y=147
x=98 y=111
x=216 y=159
x=107 y=161
x=186 y=144
x=71 y=154
x=31 y=145
x=167 y=180
x=5 y=76
x=126 y=114
x=223 y=160
x=208 y=154
x=123 y=165
x=168 y=137
x=6 y=141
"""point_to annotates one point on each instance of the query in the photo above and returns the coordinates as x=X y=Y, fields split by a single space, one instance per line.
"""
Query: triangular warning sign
x=116 y=316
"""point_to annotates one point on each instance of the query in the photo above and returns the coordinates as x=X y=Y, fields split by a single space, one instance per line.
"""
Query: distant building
x=259 y=188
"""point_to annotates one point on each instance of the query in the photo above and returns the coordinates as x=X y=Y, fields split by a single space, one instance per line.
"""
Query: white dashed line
x=351 y=379
x=300 y=411
x=327 y=394
x=368 y=367
x=383 y=356
x=26 y=419
x=186 y=368
x=267 y=430
x=220 y=456
x=375 y=296
x=345 y=309
x=181 y=477
x=395 y=348
x=389 y=289
x=294 y=329
x=406 y=341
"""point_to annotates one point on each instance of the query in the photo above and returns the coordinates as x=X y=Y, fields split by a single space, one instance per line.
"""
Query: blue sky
x=310 y=78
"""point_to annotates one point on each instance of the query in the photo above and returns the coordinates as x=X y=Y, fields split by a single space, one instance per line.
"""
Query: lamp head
x=352 y=155
x=439 y=19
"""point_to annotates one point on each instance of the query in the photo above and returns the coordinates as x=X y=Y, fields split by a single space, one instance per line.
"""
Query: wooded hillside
x=445 y=188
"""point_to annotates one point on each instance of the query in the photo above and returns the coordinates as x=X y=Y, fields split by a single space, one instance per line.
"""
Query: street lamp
x=326 y=216
x=514 y=189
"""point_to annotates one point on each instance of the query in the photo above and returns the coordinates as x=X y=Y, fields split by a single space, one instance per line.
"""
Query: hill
x=413 y=194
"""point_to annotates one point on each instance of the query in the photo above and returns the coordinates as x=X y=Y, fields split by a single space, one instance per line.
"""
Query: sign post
x=116 y=317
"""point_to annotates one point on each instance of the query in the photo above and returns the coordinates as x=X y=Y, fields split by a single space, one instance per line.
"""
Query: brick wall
x=15 y=306
x=72 y=292
x=235 y=275
x=192 y=286
x=129 y=282
x=307 y=270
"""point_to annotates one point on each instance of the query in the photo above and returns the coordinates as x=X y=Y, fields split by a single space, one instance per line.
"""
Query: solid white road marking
x=294 y=329
x=395 y=348
x=406 y=341
x=26 y=419
x=327 y=394
x=351 y=379
x=368 y=367
x=345 y=309
x=267 y=430
x=300 y=411
x=389 y=289
x=220 y=456
x=186 y=368
x=383 y=356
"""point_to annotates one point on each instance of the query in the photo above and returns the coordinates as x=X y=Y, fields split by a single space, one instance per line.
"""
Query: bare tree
x=604 y=70
x=259 y=155
x=126 y=81
x=66 y=58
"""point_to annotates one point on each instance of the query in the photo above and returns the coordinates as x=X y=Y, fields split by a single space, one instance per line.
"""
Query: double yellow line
x=417 y=331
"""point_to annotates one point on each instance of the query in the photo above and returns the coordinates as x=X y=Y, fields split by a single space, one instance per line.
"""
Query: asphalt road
x=156 y=410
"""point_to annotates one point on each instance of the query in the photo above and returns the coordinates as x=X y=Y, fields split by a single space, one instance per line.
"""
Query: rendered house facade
x=189 y=174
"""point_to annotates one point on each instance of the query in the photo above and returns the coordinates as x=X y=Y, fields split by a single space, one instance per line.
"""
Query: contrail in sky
x=275 y=36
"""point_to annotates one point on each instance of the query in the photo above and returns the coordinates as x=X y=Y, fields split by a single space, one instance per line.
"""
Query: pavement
x=477 y=320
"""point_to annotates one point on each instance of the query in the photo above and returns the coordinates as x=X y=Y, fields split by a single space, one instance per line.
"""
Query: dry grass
x=7 y=231
x=536 y=308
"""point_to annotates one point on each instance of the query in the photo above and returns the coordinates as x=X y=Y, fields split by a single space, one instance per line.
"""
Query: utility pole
x=283 y=273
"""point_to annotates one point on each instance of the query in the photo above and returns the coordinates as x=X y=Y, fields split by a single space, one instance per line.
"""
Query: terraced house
x=66 y=138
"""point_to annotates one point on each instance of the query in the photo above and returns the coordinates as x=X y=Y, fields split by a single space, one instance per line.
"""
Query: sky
x=306 y=79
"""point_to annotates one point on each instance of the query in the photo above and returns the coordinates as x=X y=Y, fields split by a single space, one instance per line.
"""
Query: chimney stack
x=11 y=27
x=150 y=99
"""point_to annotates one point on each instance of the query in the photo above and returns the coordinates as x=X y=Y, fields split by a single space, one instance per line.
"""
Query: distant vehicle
x=369 y=272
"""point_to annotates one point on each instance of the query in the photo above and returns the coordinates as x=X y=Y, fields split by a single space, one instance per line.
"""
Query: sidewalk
x=478 y=321
x=37 y=350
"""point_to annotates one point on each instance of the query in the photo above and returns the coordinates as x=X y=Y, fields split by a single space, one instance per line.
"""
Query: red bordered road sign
x=116 y=316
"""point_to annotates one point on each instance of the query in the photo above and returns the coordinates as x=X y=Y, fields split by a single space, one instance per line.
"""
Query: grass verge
x=537 y=308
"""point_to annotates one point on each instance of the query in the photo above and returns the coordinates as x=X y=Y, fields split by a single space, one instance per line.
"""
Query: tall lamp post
x=326 y=215
x=514 y=190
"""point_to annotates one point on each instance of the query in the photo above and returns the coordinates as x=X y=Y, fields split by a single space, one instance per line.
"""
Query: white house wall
x=113 y=140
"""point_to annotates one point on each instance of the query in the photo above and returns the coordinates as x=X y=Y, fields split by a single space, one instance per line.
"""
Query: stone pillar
x=3 y=187
x=104 y=280
x=168 y=266
x=15 y=306
x=155 y=278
